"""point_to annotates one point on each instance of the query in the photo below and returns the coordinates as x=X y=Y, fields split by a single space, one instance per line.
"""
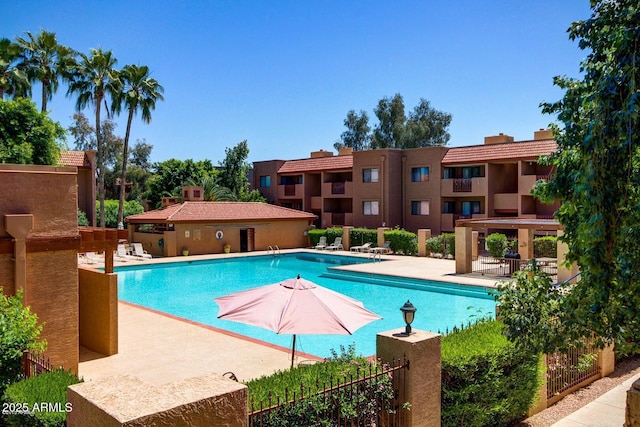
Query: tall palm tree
x=93 y=79
x=140 y=93
x=13 y=80
x=46 y=61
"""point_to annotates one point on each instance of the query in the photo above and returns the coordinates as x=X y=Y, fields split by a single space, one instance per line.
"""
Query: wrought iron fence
x=568 y=371
x=366 y=399
x=33 y=364
x=506 y=267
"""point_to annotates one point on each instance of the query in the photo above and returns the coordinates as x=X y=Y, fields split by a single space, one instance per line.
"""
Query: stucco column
x=424 y=234
x=19 y=226
x=474 y=245
x=632 y=414
x=423 y=379
x=463 y=250
x=346 y=237
x=525 y=243
x=564 y=273
x=381 y=231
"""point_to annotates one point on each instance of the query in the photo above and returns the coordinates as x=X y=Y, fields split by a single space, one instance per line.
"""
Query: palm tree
x=140 y=92
x=13 y=80
x=93 y=79
x=46 y=61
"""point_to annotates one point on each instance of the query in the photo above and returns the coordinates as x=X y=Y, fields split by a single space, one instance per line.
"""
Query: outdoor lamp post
x=408 y=314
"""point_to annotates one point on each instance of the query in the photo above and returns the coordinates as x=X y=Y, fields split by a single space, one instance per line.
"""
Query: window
x=449 y=173
x=469 y=208
x=370 y=207
x=370 y=175
x=265 y=181
x=196 y=194
x=420 y=174
x=449 y=207
x=291 y=180
x=420 y=207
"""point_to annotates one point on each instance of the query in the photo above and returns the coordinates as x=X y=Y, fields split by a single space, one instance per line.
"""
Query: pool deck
x=160 y=348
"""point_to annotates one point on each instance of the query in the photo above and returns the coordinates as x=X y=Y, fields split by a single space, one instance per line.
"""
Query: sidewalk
x=606 y=411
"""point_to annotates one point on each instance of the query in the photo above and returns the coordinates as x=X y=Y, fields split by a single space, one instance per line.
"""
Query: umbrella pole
x=293 y=350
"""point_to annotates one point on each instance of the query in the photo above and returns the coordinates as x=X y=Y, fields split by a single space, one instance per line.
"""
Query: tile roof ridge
x=504 y=143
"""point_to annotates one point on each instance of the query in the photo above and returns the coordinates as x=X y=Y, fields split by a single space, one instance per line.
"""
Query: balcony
x=316 y=203
x=337 y=189
x=290 y=191
x=457 y=187
x=330 y=219
x=448 y=220
x=505 y=202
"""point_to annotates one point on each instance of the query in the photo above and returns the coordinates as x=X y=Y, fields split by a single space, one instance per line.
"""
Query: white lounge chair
x=384 y=249
x=337 y=244
x=123 y=256
x=361 y=248
x=322 y=243
x=93 y=258
x=139 y=251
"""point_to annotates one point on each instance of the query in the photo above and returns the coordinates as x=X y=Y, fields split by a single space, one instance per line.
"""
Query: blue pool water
x=187 y=290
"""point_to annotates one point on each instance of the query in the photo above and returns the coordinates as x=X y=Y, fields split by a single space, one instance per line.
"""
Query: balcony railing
x=338 y=188
x=289 y=190
x=463 y=185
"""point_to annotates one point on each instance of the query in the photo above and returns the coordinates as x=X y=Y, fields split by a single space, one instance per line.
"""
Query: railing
x=567 y=372
x=338 y=188
x=463 y=185
x=33 y=364
x=372 y=400
x=506 y=267
x=273 y=250
x=289 y=189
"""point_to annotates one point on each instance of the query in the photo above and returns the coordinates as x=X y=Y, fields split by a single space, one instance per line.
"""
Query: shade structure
x=296 y=306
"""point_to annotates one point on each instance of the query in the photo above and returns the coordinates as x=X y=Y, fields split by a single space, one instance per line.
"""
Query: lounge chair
x=337 y=244
x=122 y=255
x=93 y=258
x=322 y=243
x=362 y=248
x=384 y=249
x=139 y=251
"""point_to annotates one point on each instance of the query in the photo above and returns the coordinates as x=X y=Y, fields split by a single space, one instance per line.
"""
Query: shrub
x=486 y=380
x=402 y=242
x=332 y=233
x=360 y=236
x=82 y=219
x=314 y=236
x=449 y=243
x=435 y=245
x=131 y=207
x=546 y=246
x=45 y=397
x=497 y=244
x=19 y=332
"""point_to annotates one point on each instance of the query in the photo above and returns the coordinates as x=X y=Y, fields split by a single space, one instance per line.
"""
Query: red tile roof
x=317 y=164
x=495 y=152
x=220 y=211
x=74 y=158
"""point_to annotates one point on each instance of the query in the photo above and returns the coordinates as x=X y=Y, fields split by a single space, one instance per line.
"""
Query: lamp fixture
x=408 y=314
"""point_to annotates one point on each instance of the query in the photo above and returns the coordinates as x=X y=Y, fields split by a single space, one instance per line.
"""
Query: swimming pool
x=187 y=290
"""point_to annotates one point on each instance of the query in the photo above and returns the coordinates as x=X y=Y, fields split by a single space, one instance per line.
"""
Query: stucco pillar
x=19 y=226
x=463 y=250
x=564 y=273
x=474 y=245
x=607 y=361
x=525 y=243
x=381 y=231
x=633 y=406
x=424 y=234
x=423 y=379
x=346 y=237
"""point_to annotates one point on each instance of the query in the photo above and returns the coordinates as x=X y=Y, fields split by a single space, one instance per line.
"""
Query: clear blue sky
x=284 y=74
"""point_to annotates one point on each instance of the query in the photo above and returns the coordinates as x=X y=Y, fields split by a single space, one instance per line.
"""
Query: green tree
x=357 y=135
x=233 y=173
x=169 y=176
x=213 y=190
x=597 y=172
x=28 y=136
x=140 y=93
x=46 y=61
x=93 y=80
x=389 y=131
x=426 y=127
x=20 y=332
x=131 y=207
x=14 y=82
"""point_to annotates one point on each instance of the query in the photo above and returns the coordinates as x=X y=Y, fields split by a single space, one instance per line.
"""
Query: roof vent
x=321 y=153
x=498 y=139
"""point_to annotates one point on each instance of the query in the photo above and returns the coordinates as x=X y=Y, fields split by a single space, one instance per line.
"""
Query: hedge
x=330 y=233
x=486 y=380
x=497 y=244
x=43 y=399
x=546 y=246
x=360 y=236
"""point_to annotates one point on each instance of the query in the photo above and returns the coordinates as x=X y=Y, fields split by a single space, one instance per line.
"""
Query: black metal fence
x=367 y=399
x=571 y=370
x=506 y=266
x=33 y=364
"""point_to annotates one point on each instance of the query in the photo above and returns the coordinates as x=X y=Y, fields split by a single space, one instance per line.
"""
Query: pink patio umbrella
x=296 y=306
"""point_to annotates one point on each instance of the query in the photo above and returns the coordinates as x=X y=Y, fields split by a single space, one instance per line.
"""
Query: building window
x=370 y=207
x=420 y=207
x=265 y=181
x=469 y=208
x=420 y=174
x=291 y=180
x=449 y=207
x=196 y=194
x=370 y=175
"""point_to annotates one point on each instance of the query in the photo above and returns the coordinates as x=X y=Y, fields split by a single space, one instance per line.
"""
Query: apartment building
x=429 y=187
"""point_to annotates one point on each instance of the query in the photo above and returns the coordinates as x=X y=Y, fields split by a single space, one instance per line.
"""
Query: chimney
x=543 y=134
x=193 y=194
x=345 y=151
x=168 y=201
x=321 y=153
x=498 y=139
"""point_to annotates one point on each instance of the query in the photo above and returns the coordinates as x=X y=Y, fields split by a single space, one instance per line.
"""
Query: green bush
x=402 y=242
x=19 y=331
x=486 y=380
x=330 y=233
x=497 y=244
x=131 y=207
x=444 y=244
x=546 y=246
x=82 y=219
x=314 y=236
x=43 y=396
x=449 y=243
x=360 y=236
x=435 y=245
x=314 y=409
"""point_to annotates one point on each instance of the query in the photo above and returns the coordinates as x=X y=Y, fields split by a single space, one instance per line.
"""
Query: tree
x=597 y=172
x=357 y=135
x=140 y=93
x=28 y=136
x=93 y=79
x=426 y=127
x=234 y=173
x=46 y=61
x=169 y=176
x=14 y=82
x=389 y=131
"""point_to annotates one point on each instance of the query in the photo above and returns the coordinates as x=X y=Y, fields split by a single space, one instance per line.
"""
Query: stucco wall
x=98 y=311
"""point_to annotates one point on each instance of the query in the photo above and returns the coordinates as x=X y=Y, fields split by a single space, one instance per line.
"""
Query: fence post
x=463 y=250
x=423 y=379
x=424 y=234
x=607 y=361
